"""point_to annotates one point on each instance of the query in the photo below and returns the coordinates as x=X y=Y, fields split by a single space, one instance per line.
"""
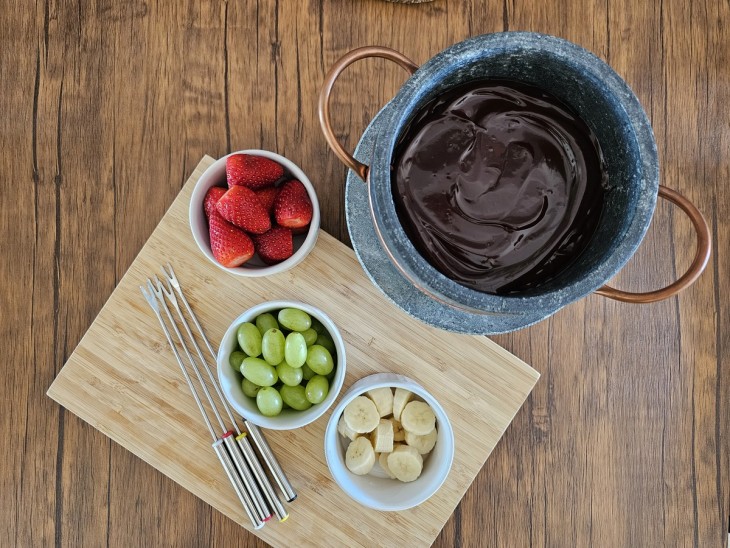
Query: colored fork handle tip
x=292 y=499
x=241 y=436
x=267 y=518
x=227 y=434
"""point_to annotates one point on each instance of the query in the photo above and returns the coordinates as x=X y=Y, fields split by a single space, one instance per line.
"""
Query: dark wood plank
x=107 y=107
x=29 y=291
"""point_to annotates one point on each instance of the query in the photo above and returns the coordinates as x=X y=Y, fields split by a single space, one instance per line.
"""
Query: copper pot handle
x=704 y=247
x=324 y=98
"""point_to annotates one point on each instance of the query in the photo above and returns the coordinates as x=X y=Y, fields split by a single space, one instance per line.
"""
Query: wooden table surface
x=106 y=108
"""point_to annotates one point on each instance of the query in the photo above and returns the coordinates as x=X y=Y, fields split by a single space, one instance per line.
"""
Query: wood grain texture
x=107 y=106
x=123 y=379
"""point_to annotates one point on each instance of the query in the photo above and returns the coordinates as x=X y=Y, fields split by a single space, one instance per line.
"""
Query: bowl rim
x=210 y=178
x=301 y=418
x=335 y=456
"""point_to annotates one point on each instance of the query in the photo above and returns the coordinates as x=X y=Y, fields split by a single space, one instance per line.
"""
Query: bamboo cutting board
x=123 y=379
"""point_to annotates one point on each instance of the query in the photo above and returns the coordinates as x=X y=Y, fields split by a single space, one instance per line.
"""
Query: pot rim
x=403 y=253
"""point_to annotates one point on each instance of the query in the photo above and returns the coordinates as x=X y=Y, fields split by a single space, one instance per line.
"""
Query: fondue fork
x=236 y=450
x=257 y=436
x=218 y=447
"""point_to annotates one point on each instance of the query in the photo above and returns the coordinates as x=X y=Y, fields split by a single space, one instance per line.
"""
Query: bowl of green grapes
x=281 y=364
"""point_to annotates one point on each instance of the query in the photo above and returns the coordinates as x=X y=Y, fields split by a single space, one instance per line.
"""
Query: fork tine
x=150 y=298
x=171 y=276
x=157 y=291
x=152 y=288
x=160 y=285
x=165 y=273
x=167 y=290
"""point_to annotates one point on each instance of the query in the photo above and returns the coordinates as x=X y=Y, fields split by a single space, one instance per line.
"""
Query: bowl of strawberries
x=254 y=213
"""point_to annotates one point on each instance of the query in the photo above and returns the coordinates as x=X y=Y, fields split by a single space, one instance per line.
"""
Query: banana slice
x=360 y=457
x=383 y=400
x=383 y=462
x=405 y=463
x=398 y=433
x=346 y=431
x=382 y=437
x=422 y=444
x=418 y=418
x=361 y=415
x=400 y=399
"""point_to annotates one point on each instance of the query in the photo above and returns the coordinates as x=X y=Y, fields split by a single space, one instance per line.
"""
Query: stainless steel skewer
x=258 y=438
x=236 y=451
x=219 y=449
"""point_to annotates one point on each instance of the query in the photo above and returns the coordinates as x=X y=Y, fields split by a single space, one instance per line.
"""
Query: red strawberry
x=211 y=198
x=231 y=246
x=275 y=246
x=267 y=197
x=293 y=208
x=240 y=206
x=252 y=171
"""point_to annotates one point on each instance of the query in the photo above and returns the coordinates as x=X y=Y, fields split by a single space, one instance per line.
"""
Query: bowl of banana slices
x=389 y=444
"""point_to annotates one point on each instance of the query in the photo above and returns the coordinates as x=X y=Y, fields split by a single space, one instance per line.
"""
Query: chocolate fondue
x=498 y=185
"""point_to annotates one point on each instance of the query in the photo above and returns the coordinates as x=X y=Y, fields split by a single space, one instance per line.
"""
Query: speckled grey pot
x=598 y=95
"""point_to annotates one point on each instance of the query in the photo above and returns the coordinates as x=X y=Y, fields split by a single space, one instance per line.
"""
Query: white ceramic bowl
x=215 y=175
x=385 y=493
x=230 y=381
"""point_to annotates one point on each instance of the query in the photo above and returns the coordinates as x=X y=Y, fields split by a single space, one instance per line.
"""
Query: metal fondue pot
x=598 y=95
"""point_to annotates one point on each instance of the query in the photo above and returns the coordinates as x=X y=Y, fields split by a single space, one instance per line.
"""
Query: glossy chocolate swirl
x=498 y=185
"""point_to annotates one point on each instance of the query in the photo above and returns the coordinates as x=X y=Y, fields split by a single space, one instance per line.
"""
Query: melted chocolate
x=498 y=185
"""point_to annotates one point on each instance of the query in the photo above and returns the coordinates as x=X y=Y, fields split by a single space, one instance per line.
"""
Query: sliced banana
x=360 y=457
x=382 y=437
x=400 y=399
x=422 y=444
x=383 y=462
x=398 y=433
x=417 y=418
x=346 y=431
x=361 y=415
x=383 y=400
x=405 y=463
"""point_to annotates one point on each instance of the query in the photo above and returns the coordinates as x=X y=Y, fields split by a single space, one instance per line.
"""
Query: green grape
x=269 y=401
x=326 y=341
x=250 y=389
x=319 y=360
x=310 y=336
x=236 y=358
x=317 y=389
x=295 y=350
x=266 y=321
x=307 y=372
x=249 y=339
x=295 y=397
x=295 y=320
x=318 y=327
x=272 y=346
x=259 y=372
x=289 y=375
